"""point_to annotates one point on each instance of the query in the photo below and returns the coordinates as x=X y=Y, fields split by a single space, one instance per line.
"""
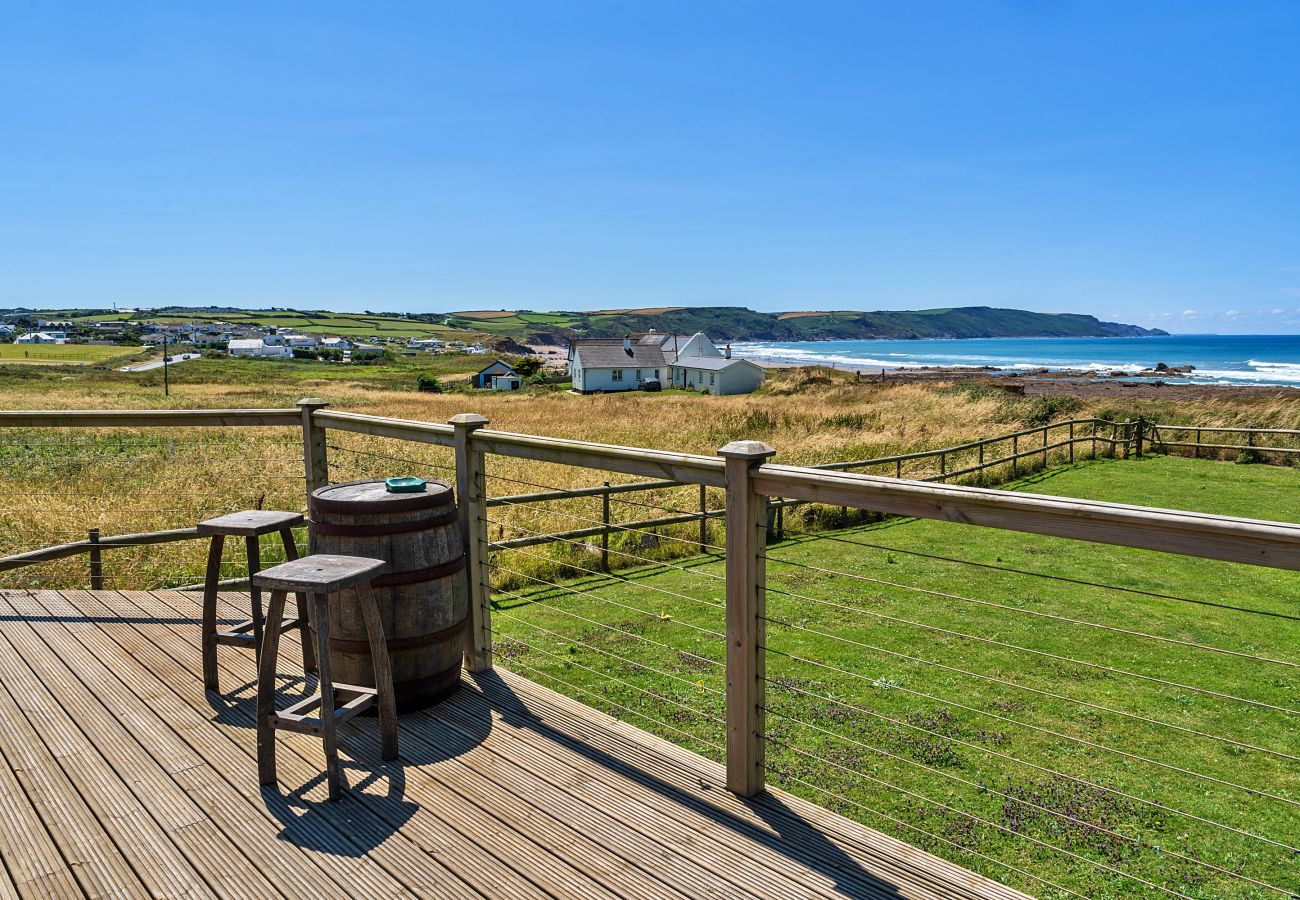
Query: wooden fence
x=1007 y=455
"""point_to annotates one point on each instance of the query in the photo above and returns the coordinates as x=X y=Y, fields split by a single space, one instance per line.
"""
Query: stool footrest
x=297 y=717
x=241 y=635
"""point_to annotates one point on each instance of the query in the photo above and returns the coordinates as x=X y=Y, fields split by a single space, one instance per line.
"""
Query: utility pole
x=166 y=381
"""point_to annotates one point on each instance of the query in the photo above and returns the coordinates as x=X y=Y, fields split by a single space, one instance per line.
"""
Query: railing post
x=943 y=465
x=1071 y=443
x=746 y=519
x=1196 y=451
x=96 y=560
x=1137 y=436
x=604 y=536
x=1015 y=455
x=315 y=461
x=471 y=488
x=1045 y=427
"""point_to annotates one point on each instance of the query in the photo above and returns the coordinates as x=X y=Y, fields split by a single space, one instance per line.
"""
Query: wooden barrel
x=423 y=596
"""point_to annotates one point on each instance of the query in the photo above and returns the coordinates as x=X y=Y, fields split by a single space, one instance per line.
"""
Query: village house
x=430 y=345
x=335 y=343
x=691 y=363
x=701 y=366
x=483 y=377
x=42 y=337
x=256 y=347
x=613 y=365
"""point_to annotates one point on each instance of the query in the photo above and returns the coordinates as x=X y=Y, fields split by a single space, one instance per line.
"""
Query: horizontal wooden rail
x=684 y=468
x=1273 y=544
x=382 y=426
x=598 y=491
x=75 y=548
x=146 y=418
x=1192 y=445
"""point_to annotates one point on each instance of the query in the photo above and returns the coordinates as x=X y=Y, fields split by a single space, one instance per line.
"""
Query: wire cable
x=1048 y=731
x=1021 y=649
x=572 y=590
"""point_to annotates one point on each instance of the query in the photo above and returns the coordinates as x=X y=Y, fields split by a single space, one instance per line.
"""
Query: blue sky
x=1133 y=160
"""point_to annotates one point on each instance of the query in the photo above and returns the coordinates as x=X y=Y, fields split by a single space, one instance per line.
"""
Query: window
x=656 y=374
x=711 y=378
x=616 y=374
x=638 y=374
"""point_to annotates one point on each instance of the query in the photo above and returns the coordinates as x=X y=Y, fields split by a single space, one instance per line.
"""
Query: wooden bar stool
x=320 y=575
x=250 y=524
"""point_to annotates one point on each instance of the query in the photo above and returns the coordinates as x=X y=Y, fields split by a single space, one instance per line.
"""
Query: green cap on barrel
x=407 y=485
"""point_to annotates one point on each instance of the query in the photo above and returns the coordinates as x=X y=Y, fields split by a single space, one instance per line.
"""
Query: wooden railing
x=1004 y=453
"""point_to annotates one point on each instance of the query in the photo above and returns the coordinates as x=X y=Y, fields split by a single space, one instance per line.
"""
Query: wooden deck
x=119 y=776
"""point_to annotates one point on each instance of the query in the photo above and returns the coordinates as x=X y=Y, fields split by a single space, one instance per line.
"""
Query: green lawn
x=76 y=354
x=947 y=682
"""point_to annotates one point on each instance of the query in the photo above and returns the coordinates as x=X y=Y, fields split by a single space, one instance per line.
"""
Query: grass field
x=927 y=692
x=68 y=354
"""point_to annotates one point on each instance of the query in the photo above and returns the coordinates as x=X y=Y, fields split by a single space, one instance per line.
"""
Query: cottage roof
x=612 y=355
x=712 y=363
x=245 y=344
x=502 y=368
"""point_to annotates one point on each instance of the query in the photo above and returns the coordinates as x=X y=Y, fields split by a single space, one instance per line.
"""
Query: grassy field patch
x=68 y=354
x=952 y=663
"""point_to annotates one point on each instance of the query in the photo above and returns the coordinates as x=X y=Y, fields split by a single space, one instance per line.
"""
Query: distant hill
x=736 y=323
x=723 y=323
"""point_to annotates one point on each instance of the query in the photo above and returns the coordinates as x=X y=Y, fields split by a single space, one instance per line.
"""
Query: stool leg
x=254 y=550
x=266 y=696
x=383 y=671
x=320 y=614
x=304 y=632
x=210 y=578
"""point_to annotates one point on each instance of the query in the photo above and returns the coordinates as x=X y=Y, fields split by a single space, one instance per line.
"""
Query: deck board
x=121 y=776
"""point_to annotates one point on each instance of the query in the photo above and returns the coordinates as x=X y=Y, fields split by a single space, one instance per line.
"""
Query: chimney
x=726 y=352
x=627 y=345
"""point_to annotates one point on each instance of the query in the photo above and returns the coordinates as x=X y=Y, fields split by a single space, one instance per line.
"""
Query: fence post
x=1015 y=455
x=1196 y=451
x=471 y=486
x=746 y=518
x=314 y=458
x=1071 y=444
x=604 y=537
x=1137 y=436
x=943 y=465
x=96 y=560
x=1045 y=427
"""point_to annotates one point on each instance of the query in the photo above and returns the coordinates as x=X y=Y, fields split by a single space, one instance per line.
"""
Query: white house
x=42 y=337
x=506 y=382
x=335 y=343
x=432 y=345
x=612 y=365
x=699 y=365
x=257 y=347
x=301 y=340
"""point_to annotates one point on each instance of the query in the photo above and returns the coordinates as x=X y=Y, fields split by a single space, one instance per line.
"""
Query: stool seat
x=320 y=573
x=251 y=522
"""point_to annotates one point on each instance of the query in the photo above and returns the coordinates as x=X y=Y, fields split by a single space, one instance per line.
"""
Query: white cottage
x=612 y=365
x=699 y=365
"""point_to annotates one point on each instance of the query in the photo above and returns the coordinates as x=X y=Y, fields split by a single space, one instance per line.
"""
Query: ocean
x=1263 y=359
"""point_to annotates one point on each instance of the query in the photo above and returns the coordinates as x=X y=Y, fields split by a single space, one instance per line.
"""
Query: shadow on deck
x=121 y=776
